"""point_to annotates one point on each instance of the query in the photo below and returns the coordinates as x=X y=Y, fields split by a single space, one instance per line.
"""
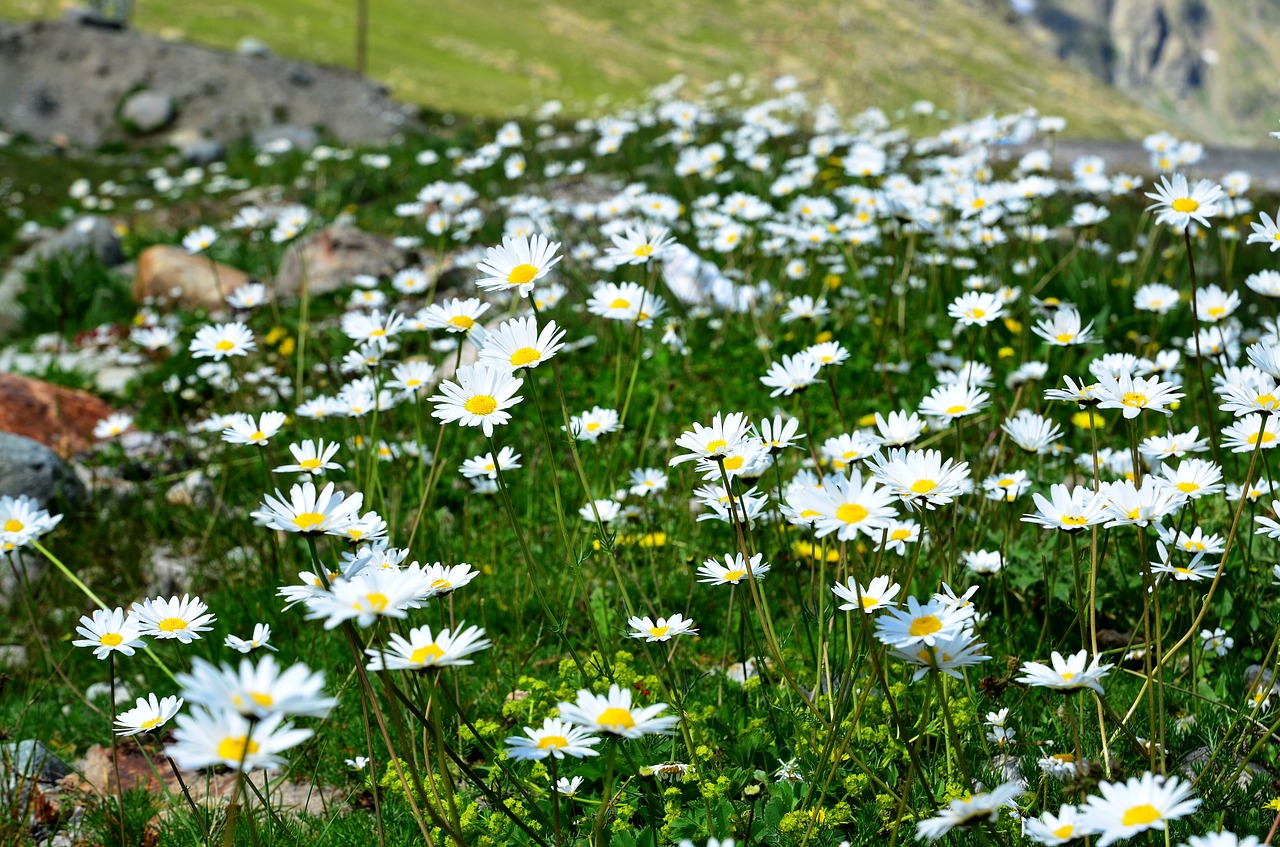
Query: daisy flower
x=734 y=569
x=446 y=579
x=517 y=263
x=876 y=595
x=1194 y=478
x=479 y=395
x=182 y=619
x=453 y=315
x=204 y=739
x=638 y=246
x=1178 y=204
x=921 y=476
x=488 y=467
x=220 y=341
x=553 y=738
x=1068 y=511
x=149 y=714
x=1066 y=674
x=975 y=308
x=965 y=811
x=1245 y=435
x=791 y=374
x=312 y=457
x=614 y=713
x=1266 y=232
x=259 y=641
x=922 y=624
x=306 y=511
x=714 y=441
x=109 y=631
x=424 y=650
x=1136 y=805
x=248 y=296
x=646 y=481
x=371 y=595
x=517 y=343
x=1051 y=829
x=948 y=402
x=592 y=424
x=243 y=429
x=199 y=239
x=900 y=428
x=846 y=506
x=112 y=425
x=22 y=521
x=664 y=629
x=1063 y=328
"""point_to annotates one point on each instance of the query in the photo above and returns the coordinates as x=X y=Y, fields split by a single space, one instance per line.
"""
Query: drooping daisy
x=1069 y=674
x=181 y=619
x=517 y=263
x=615 y=714
x=149 y=714
x=220 y=341
x=554 y=738
x=109 y=631
x=424 y=650
x=479 y=395
x=969 y=810
x=260 y=640
x=664 y=629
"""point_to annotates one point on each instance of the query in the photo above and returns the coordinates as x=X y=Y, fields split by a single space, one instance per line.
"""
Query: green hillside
x=499 y=56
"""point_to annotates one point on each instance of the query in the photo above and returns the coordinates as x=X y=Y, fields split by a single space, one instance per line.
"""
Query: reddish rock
x=60 y=418
x=175 y=277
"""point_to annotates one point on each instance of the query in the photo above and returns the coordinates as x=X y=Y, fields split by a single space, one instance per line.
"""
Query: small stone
x=175 y=277
x=279 y=138
x=333 y=257
x=56 y=416
x=30 y=468
x=250 y=46
x=25 y=762
x=147 y=111
x=192 y=491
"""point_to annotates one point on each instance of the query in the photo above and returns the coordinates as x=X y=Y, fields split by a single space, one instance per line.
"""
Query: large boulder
x=173 y=276
x=89 y=239
x=29 y=468
x=333 y=257
x=58 y=417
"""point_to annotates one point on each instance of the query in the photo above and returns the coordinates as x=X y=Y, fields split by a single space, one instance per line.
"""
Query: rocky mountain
x=1211 y=66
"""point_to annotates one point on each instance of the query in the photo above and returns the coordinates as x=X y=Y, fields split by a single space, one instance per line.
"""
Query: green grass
x=499 y=56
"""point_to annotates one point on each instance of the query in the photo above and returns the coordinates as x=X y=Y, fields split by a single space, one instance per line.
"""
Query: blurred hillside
x=496 y=57
x=1210 y=65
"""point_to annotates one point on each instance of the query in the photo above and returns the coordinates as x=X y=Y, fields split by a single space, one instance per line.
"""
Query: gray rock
x=66 y=79
x=170 y=572
x=275 y=138
x=250 y=46
x=192 y=491
x=28 y=467
x=203 y=151
x=25 y=765
x=333 y=257
x=148 y=111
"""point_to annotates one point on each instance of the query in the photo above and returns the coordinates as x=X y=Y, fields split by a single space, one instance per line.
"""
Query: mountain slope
x=498 y=56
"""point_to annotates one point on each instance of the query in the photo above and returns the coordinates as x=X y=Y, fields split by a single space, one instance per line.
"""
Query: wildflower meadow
x=724 y=470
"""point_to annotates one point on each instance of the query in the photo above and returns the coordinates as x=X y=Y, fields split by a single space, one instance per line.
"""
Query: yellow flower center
x=13 y=525
x=594 y=425
x=977 y=314
x=552 y=742
x=1267 y=401
x=481 y=404
x=851 y=513
x=263 y=700
x=644 y=250
x=441 y=583
x=1073 y=520
x=427 y=655
x=258 y=435
x=957 y=409
x=1064 y=832
x=1065 y=337
x=926 y=625
x=1134 y=399
x=616 y=717
x=1216 y=311
x=308 y=520
x=111 y=639
x=524 y=356
x=869 y=602
x=810 y=513
x=1068 y=676
x=224 y=345
x=716 y=446
x=620 y=303
x=923 y=486
x=731 y=576
x=1187 y=487
x=376 y=600
x=151 y=723
x=172 y=625
x=521 y=274
x=1185 y=205
x=309 y=464
x=900 y=535
x=233 y=748
x=659 y=631
x=1145 y=813
x=462 y=321
x=733 y=463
